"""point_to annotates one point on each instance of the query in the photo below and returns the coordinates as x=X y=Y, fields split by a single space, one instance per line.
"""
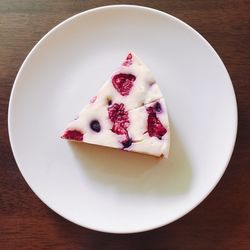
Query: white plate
x=109 y=190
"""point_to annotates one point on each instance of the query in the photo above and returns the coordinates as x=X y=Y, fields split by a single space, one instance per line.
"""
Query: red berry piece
x=119 y=116
x=123 y=83
x=73 y=135
x=155 y=127
x=128 y=60
x=129 y=57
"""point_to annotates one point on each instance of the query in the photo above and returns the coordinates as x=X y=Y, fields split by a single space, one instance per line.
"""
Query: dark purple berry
x=95 y=125
x=109 y=102
x=157 y=107
x=127 y=143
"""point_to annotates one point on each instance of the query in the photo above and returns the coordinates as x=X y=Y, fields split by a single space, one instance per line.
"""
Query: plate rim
x=157 y=12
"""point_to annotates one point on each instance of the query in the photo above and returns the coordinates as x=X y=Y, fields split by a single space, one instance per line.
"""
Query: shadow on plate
x=136 y=173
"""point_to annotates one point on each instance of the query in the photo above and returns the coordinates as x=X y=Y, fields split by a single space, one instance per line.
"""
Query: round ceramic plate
x=111 y=190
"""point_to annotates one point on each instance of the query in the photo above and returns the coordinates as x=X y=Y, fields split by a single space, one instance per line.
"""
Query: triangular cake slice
x=128 y=113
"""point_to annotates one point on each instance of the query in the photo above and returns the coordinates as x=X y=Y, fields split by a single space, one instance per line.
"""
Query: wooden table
x=222 y=221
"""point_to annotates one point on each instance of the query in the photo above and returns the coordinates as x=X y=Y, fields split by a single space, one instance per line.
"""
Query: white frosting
x=144 y=93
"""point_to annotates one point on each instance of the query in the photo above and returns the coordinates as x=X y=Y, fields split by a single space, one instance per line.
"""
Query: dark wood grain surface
x=222 y=221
